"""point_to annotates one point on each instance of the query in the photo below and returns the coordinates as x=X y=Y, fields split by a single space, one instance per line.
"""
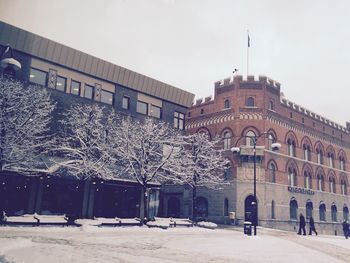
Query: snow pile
x=205 y=224
x=159 y=223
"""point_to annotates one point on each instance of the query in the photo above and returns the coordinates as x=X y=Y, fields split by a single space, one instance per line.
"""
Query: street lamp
x=236 y=150
x=8 y=63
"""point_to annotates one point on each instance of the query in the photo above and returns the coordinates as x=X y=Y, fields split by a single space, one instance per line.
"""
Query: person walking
x=346 y=229
x=302 y=224
x=312 y=226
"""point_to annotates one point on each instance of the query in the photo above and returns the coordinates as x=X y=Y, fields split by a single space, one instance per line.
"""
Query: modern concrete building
x=72 y=76
x=309 y=174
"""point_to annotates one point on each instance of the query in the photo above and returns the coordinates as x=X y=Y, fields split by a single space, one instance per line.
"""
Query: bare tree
x=84 y=141
x=146 y=149
x=25 y=115
x=201 y=164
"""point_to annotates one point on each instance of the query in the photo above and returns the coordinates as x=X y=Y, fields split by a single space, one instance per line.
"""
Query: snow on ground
x=142 y=244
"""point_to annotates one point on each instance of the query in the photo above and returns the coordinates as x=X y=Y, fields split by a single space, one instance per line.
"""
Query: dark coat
x=345 y=226
x=302 y=220
x=312 y=222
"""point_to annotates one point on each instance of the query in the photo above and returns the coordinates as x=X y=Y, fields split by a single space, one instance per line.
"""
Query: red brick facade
x=257 y=105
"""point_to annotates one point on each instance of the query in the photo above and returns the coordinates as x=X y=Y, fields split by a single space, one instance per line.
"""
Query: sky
x=304 y=45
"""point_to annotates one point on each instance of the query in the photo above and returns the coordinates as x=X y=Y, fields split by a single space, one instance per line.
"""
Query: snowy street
x=141 y=244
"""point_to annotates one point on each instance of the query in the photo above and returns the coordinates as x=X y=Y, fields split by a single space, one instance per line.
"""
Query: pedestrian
x=302 y=224
x=346 y=229
x=312 y=226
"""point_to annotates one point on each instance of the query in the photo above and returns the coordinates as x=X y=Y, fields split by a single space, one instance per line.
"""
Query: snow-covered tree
x=146 y=149
x=201 y=164
x=83 y=144
x=25 y=115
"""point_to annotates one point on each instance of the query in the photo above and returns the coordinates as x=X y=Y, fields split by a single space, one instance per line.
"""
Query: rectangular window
x=156 y=111
x=38 y=76
x=142 y=107
x=179 y=120
x=61 y=83
x=126 y=103
x=89 y=92
x=75 y=87
x=106 y=97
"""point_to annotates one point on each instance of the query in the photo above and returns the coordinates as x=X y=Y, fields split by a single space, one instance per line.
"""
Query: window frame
x=64 y=86
x=71 y=87
x=40 y=71
x=109 y=93
x=127 y=99
x=156 y=107
x=92 y=91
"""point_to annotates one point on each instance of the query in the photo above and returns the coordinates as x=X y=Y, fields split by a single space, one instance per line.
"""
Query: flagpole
x=248 y=53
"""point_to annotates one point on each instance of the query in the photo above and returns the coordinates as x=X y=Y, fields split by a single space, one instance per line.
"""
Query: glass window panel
x=142 y=107
x=126 y=103
x=75 y=87
x=156 y=111
x=61 y=83
x=88 y=92
x=38 y=77
x=106 y=97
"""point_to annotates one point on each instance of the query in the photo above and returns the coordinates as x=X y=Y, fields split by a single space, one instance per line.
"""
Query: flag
x=248 y=41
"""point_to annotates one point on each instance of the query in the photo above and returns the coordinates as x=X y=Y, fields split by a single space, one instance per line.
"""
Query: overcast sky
x=304 y=45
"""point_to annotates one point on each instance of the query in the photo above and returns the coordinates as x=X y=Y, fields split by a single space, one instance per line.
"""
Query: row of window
x=41 y=77
x=291 y=144
x=293 y=208
x=307 y=184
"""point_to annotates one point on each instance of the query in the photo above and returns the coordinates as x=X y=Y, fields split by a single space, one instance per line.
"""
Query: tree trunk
x=194 y=204
x=145 y=205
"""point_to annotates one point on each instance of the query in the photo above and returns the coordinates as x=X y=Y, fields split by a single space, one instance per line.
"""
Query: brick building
x=309 y=174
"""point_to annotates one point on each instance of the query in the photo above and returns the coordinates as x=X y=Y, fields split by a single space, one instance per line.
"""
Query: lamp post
x=274 y=146
x=8 y=63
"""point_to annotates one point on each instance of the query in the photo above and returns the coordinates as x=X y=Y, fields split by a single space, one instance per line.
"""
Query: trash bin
x=248 y=228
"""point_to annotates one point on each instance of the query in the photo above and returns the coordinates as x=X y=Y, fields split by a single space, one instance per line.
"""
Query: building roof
x=52 y=51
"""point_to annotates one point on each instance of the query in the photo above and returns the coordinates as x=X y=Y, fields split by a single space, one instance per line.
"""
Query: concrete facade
x=58 y=68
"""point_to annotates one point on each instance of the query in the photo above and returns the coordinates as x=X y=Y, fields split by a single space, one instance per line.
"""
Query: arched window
x=309 y=208
x=272 y=172
x=226 y=207
x=291 y=147
x=332 y=184
x=273 y=215
x=345 y=213
x=334 y=212
x=271 y=140
x=343 y=187
x=330 y=159
x=227 y=171
x=293 y=208
x=227 y=104
x=342 y=163
x=250 y=102
x=320 y=182
x=319 y=154
x=227 y=140
x=307 y=152
x=250 y=138
x=307 y=180
x=271 y=106
x=292 y=177
x=322 y=210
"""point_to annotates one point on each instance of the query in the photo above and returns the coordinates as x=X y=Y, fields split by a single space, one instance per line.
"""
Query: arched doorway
x=173 y=207
x=249 y=209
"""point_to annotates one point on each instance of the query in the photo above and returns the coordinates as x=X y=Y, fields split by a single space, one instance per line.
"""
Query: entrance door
x=249 y=209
